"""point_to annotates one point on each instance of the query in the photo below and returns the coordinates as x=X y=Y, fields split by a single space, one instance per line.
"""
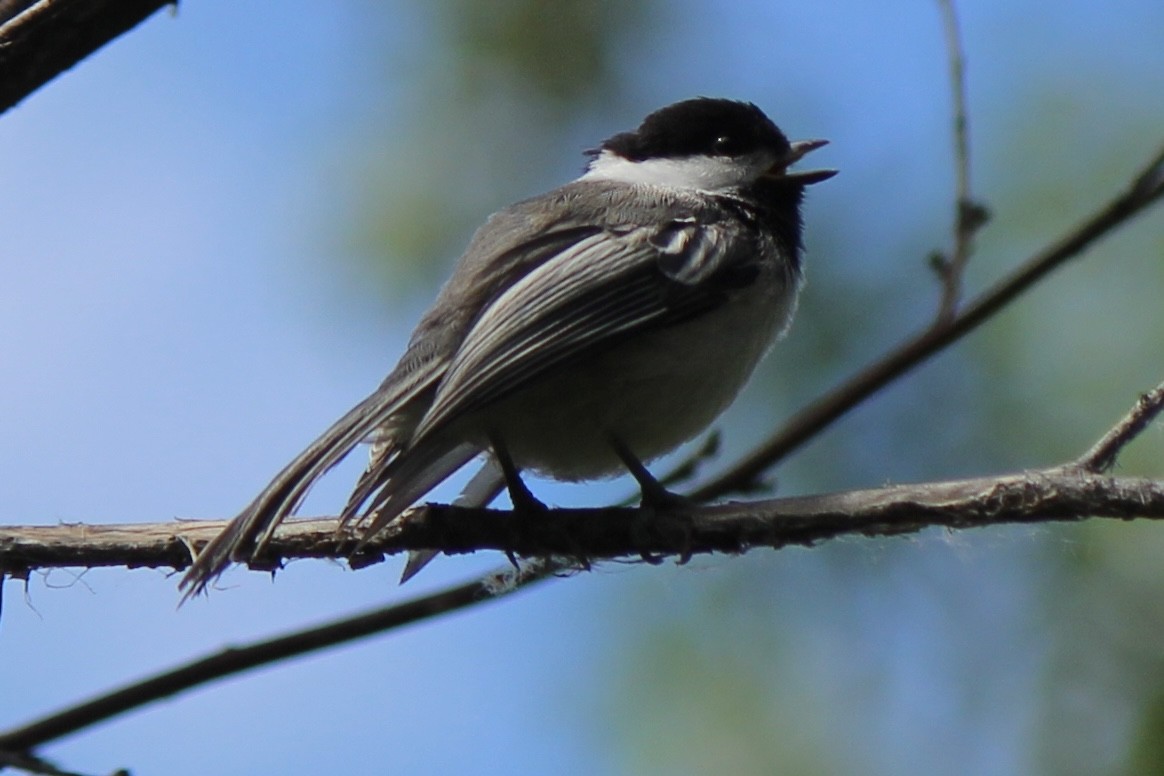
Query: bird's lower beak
x=796 y=151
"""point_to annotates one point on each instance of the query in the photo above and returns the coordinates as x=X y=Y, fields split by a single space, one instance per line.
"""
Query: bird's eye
x=724 y=144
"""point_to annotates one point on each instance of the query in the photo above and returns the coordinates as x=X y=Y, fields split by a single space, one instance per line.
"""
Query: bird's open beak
x=795 y=152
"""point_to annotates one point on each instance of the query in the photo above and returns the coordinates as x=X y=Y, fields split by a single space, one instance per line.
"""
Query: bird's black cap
x=701 y=126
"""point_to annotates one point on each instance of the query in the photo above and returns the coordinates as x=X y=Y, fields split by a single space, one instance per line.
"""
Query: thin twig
x=688 y=467
x=30 y=764
x=1146 y=188
x=1102 y=456
x=969 y=215
x=236 y=659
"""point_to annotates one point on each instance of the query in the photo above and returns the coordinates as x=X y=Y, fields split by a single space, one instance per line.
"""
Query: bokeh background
x=217 y=232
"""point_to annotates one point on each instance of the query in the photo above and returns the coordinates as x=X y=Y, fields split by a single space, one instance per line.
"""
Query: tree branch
x=1102 y=456
x=1059 y=493
x=41 y=39
x=1066 y=493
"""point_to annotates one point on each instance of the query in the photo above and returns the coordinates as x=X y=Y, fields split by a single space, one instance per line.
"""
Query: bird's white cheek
x=698 y=173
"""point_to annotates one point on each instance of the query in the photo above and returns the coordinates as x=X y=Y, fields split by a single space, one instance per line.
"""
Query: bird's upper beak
x=795 y=152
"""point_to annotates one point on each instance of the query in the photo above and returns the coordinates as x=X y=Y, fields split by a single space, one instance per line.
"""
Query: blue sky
x=178 y=319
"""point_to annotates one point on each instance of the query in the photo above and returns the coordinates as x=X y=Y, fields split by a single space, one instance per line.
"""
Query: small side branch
x=1102 y=456
x=969 y=214
x=28 y=763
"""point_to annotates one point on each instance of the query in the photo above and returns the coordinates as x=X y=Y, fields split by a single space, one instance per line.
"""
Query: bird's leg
x=654 y=497
x=525 y=504
x=523 y=500
x=653 y=492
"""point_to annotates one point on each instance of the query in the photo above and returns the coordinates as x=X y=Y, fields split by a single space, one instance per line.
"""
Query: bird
x=582 y=333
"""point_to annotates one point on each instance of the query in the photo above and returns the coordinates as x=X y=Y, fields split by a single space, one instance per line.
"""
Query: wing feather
x=588 y=296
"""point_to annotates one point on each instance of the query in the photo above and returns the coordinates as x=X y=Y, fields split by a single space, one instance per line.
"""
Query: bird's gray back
x=519 y=238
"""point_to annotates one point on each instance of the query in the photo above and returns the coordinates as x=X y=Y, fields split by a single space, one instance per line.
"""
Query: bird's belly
x=653 y=394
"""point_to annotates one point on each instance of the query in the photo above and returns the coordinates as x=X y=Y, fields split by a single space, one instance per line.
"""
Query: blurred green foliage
x=492 y=100
x=562 y=54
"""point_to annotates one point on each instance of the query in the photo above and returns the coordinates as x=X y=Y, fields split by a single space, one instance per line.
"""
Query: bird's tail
x=485 y=486
x=396 y=485
x=250 y=531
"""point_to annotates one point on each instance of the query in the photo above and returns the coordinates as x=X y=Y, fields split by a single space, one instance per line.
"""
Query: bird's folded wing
x=598 y=292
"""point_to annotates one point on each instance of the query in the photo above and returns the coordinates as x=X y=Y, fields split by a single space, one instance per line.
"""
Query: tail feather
x=411 y=476
x=379 y=463
x=250 y=531
x=485 y=486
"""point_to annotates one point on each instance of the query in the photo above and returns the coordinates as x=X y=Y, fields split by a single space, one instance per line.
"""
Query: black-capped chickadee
x=583 y=331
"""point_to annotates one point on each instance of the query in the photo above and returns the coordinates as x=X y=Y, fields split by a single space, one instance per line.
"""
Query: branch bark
x=41 y=39
x=1059 y=493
